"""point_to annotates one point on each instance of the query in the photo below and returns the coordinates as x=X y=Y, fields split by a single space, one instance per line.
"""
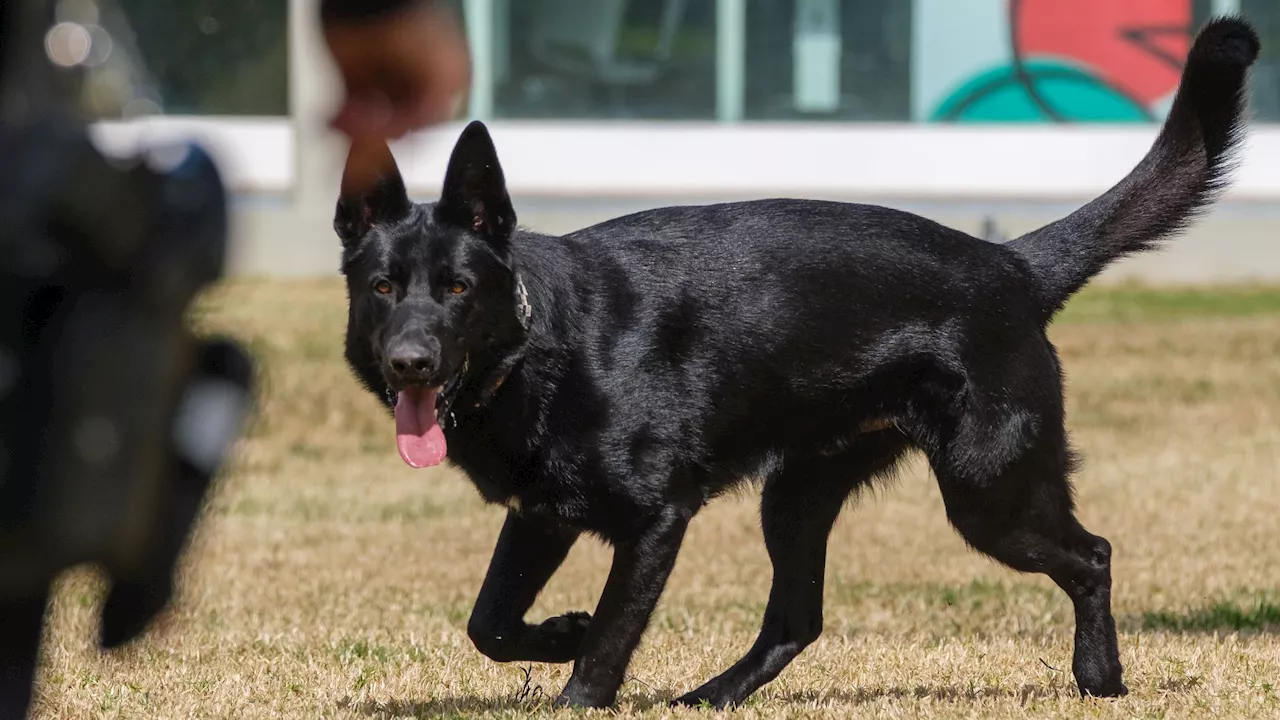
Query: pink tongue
x=418 y=435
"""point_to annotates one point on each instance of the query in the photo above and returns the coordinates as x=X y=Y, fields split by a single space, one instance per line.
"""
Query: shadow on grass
x=476 y=706
x=439 y=707
x=1259 y=616
x=481 y=706
x=944 y=693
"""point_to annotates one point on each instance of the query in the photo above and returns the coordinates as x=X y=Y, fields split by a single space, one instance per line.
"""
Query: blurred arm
x=404 y=67
x=339 y=10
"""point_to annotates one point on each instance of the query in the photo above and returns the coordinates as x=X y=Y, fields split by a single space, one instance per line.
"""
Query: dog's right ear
x=372 y=192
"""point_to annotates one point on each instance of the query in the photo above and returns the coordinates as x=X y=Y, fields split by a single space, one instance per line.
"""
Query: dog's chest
x=558 y=498
x=502 y=477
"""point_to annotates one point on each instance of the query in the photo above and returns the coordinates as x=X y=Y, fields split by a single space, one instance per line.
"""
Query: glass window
x=1265 y=82
x=213 y=57
x=931 y=61
x=828 y=59
x=606 y=59
x=968 y=61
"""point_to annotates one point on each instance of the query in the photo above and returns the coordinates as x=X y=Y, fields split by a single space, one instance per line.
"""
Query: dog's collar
x=524 y=313
x=524 y=310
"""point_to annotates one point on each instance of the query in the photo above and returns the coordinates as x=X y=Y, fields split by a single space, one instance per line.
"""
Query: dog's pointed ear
x=373 y=192
x=475 y=191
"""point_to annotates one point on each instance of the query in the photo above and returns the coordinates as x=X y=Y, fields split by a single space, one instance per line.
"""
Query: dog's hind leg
x=1023 y=516
x=799 y=506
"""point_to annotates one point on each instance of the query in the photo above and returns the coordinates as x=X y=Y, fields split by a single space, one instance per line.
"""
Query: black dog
x=613 y=381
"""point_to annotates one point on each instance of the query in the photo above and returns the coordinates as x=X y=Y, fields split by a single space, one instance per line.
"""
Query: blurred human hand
x=402 y=71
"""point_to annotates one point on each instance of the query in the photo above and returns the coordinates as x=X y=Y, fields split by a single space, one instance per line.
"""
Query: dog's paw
x=560 y=637
x=693 y=700
x=1100 y=679
x=576 y=695
x=1116 y=689
x=707 y=697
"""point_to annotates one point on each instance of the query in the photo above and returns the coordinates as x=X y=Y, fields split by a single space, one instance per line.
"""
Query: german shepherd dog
x=615 y=380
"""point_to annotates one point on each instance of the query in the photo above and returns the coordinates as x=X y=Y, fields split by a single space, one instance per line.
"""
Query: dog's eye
x=382 y=287
x=458 y=287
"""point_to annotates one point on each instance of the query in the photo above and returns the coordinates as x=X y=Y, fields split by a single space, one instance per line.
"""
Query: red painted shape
x=1093 y=33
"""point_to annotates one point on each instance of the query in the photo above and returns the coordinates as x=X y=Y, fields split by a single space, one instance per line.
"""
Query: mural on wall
x=1048 y=60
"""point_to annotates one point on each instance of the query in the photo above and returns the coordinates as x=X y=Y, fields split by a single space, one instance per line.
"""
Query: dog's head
x=431 y=286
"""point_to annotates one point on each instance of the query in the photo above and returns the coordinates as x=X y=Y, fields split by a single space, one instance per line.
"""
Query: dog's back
x=814 y=311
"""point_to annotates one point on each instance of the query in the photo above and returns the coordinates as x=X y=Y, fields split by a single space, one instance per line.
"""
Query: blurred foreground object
x=404 y=67
x=113 y=417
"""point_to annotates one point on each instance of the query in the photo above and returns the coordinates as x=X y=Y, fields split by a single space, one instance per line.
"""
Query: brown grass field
x=328 y=580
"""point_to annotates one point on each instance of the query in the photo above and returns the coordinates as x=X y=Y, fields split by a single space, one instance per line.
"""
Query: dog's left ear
x=475 y=191
x=373 y=193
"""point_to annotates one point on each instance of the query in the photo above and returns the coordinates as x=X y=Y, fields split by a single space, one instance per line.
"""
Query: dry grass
x=330 y=581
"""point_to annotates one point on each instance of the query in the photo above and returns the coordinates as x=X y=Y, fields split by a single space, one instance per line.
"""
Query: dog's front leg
x=639 y=573
x=528 y=553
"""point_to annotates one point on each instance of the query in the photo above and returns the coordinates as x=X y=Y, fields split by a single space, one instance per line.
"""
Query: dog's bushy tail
x=1184 y=172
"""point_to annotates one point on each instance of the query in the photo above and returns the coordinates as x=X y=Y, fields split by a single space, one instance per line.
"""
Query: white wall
x=636 y=160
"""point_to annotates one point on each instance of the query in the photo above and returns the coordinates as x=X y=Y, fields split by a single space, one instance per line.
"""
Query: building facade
x=993 y=115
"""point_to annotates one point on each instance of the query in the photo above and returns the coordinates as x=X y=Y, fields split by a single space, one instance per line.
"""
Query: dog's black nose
x=406 y=364
x=411 y=361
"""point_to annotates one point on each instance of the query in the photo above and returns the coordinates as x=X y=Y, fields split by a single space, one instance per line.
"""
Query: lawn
x=328 y=580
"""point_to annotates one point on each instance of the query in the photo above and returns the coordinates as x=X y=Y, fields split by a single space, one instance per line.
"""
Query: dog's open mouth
x=419 y=437
x=419 y=411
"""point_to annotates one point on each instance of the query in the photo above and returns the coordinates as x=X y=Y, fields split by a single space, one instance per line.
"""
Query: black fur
x=671 y=354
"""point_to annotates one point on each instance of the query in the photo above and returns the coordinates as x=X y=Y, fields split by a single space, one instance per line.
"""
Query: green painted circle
x=1076 y=95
